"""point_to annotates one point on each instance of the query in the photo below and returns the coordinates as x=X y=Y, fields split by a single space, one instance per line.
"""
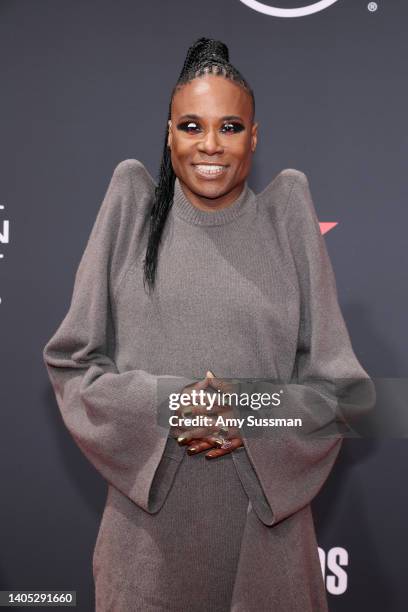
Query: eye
x=236 y=127
x=192 y=127
x=187 y=126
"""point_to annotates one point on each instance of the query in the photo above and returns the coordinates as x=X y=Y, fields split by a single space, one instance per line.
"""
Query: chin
x=209 y=188
x=210 y=191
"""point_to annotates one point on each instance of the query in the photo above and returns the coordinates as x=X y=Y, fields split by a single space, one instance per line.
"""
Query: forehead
x=211 y=96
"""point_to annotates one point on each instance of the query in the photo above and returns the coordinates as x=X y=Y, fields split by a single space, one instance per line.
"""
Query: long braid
x=204 y=56
x=163 y=198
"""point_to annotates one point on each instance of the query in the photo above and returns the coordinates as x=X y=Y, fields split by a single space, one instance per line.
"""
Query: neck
x=212 y=204
x=195 y=215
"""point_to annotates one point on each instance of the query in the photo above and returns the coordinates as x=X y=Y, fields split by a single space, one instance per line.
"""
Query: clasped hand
x=199 y=439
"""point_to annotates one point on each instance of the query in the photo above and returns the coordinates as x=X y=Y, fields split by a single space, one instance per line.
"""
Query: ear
x=254 y=136
x=170 y=135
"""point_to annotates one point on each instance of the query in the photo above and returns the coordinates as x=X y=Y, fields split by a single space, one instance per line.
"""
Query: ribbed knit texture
x=246 y=291
x=186 y=210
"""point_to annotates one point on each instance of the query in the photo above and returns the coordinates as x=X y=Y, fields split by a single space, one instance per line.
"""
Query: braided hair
x=204 y=56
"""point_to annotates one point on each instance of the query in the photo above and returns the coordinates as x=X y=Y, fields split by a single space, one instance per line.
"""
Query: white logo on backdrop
x=288 y=12
x=334 y=564
x=4 y=234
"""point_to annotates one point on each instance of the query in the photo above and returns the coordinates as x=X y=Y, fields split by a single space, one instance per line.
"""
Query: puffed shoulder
x=133 y=172
x=299 y=213
x=116 y=235
x=135 y=169
x=277 y=194
x=130 y=191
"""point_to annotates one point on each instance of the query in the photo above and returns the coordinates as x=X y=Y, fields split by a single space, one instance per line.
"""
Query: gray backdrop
x=86 y=84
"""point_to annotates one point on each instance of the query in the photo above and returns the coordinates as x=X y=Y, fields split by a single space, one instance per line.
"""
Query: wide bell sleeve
x=282 y=469
x=112 y=415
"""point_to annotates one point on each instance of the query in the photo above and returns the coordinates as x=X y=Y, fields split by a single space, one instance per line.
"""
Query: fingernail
x=192 y=449
x=181 y=439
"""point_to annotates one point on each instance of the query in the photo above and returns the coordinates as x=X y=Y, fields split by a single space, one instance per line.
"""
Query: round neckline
x=186 y=210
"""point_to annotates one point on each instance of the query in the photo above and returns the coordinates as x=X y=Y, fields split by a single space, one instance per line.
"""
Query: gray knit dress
x=247 y=291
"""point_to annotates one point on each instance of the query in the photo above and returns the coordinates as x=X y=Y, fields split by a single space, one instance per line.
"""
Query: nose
x=210 y=143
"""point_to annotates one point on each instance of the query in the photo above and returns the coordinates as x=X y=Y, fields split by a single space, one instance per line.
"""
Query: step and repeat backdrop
x=86 y=84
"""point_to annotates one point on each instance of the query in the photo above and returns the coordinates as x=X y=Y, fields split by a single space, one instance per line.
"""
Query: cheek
x=182 y=146
x=180 y=154
x=241 y=147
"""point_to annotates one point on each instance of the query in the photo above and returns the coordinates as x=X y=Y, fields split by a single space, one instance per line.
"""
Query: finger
x=197 y=446
x=198 y=410
x=219 y=435
x=186 y=438
x=209 y=441
x=219 y=383
x=197 y=433
x=205 y=410
x=193 y=442
x=200 y=384
x=219 y=452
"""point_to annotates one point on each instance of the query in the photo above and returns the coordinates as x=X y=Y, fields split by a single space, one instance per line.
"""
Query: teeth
x=213 y=169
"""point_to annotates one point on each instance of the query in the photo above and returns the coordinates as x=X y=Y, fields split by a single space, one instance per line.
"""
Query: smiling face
x=212 y=138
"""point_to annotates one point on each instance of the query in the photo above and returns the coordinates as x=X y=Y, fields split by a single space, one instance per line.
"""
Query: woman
x=198 y=276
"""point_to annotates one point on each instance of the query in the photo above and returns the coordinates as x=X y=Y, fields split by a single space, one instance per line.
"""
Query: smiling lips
x=210 y=170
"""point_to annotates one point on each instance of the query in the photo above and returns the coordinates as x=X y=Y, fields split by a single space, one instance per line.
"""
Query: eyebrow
x=224 y=118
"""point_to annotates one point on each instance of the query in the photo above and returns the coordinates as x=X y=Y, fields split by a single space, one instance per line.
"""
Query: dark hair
x=204 y=56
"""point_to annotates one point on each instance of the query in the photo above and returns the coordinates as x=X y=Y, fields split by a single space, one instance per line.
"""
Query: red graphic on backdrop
x=326 y=226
